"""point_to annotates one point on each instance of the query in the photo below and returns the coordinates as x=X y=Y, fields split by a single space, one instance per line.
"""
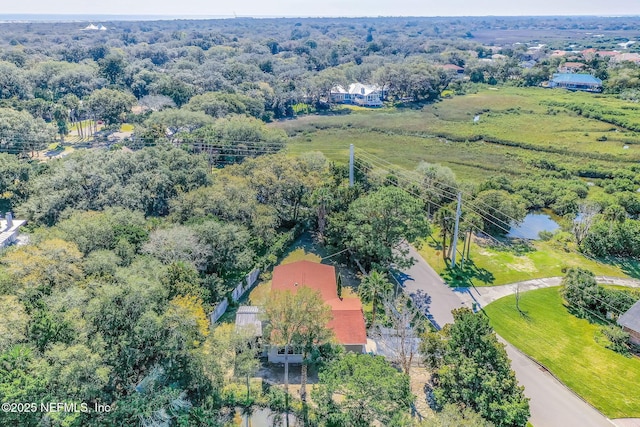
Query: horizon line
x=236 y=16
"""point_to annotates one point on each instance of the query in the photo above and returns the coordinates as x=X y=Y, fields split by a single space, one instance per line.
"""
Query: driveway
x=552 y=404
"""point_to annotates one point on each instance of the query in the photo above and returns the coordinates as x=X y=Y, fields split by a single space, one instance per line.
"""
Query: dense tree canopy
x=376 y=226
x=472 y=369
x=359 y=389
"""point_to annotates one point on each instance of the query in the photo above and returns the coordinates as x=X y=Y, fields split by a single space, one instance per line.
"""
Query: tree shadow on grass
x=629 y=266
x=462 y=277
x=517 y=247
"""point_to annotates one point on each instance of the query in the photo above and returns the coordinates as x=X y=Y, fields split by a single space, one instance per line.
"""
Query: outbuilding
x=630 y=322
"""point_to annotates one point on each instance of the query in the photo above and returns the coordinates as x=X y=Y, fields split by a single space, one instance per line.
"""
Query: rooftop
x=631 y=319
x=453 y=67
x=247 y=317
x=348 y=319
x=573 y=65
x=576 y=79
x=356 y=89
x=8 y=234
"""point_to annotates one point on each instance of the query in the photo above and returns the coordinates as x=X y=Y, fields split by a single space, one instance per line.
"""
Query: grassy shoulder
x=572 y=349
x=493 y=266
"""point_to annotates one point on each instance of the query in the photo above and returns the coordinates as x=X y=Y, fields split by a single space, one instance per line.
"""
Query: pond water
x=262 y=417
x=533 y=223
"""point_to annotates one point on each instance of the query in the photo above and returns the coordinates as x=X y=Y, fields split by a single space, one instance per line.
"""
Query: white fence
x=249 y=280
x=219 y=310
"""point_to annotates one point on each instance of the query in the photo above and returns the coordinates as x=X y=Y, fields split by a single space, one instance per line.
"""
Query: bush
x=618 y=339
x=580 y=290
x=545 y=236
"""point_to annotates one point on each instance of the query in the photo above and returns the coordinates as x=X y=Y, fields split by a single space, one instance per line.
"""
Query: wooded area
x=132 y=243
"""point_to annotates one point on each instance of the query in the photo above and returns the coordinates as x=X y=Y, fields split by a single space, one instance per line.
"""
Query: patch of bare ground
x=419 y=377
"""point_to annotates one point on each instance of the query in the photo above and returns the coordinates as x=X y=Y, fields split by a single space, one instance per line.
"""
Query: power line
x=452 y=194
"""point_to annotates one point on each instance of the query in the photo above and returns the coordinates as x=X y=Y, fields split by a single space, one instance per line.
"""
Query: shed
x=630 y=322
x=247 y=317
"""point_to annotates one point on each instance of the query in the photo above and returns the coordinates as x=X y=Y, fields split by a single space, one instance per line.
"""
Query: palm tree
x=372 y=288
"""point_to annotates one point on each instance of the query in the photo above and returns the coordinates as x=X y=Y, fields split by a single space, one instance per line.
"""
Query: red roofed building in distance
x=348 y=318
x=453 y=67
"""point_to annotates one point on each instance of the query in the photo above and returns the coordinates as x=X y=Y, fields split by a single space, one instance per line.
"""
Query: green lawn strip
x=546 y=260
x=571 y=348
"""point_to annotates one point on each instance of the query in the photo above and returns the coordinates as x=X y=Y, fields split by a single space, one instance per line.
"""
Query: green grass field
x=571 y=348
x=516 y=125
x=493 y=266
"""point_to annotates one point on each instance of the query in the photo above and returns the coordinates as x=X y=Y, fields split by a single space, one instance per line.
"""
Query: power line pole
x=351 y=176
x=455 y=231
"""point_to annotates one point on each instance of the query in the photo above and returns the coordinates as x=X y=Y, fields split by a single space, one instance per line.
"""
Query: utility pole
x=351 y=176
x=455 y=231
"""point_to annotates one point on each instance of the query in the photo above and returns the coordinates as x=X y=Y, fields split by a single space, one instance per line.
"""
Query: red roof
x=452 y=67
x=573 y=65
x=348 y=319
x=289 y=277
x=608 y=53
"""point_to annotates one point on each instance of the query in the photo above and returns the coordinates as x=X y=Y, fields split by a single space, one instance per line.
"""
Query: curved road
x=552 y=404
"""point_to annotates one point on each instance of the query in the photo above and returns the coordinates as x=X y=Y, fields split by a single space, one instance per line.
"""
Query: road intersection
x=552 y=403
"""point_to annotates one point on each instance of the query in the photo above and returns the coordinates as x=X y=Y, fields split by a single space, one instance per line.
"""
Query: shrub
x=618 y=339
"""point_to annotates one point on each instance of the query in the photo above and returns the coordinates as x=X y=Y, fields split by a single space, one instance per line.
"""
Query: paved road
x=552 y=404
x=429 y=291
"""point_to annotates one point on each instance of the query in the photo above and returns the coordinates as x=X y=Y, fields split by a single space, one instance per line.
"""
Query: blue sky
x=325 y=7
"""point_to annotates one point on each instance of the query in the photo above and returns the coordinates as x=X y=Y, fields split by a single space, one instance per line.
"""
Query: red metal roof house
x=348 y=319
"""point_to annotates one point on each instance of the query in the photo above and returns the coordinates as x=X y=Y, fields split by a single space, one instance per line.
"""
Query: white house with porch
x=358 y=94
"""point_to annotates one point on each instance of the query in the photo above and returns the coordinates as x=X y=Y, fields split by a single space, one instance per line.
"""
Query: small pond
x=533 y=223
x=262 y=417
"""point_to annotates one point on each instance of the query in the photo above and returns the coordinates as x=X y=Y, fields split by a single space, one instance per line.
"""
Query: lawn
x=498 y=266
x=571 y=348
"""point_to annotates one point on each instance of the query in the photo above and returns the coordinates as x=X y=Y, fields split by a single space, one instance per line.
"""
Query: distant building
x=9 y=229
x=348 y=318
x=607 y=53
x=358 y=94
x=528 y=64
x=582 y=82
x=453 y=67
x=92 y=27
x=630 y=322
x=626 y=57
x=571 y=67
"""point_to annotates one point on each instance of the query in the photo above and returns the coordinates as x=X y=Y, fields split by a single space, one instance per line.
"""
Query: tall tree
x=472 y=369
x=359 y=389
x=314 y=333
x=402 y=335
x=110 y=105
x=291 y=323
x=380 y=222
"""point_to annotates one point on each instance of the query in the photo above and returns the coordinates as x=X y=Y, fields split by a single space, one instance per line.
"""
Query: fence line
x=237 y=293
